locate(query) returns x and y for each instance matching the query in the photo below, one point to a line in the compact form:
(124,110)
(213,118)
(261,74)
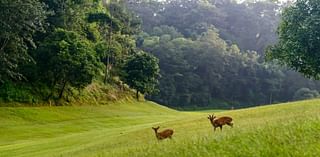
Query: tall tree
(299,38)
(66,59)
(142,73)
(19,20)
(115,27)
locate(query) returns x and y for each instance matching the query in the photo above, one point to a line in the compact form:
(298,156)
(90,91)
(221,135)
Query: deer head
(211,117)
(156,129)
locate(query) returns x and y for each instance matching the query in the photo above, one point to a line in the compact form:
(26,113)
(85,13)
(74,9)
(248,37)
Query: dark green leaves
(64,58)
(19,20)
(142,73)
(104,19)
(299,38)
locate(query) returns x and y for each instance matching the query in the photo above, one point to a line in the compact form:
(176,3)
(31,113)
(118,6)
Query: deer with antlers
(219,122)
(163,134)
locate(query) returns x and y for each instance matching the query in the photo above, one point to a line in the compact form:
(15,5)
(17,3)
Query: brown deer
(163,134)
(219,122)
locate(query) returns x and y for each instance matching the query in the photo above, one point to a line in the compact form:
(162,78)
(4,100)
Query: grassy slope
(124,129)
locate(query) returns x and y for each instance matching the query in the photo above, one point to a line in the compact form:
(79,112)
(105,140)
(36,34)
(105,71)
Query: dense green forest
(205,53)
(55,49)
(211,53)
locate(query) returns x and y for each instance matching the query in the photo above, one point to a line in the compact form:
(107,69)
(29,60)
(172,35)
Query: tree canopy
(59,47)
(211,53)
(299,38)
(141,73)
(65,58)
(19,20)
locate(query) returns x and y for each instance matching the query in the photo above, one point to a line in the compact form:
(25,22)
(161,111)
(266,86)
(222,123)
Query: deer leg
(214,128)
(221,128)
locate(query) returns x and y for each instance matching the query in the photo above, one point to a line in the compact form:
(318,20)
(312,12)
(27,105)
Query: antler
(155,128)
(211,117)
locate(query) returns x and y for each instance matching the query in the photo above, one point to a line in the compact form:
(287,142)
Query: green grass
(124,129)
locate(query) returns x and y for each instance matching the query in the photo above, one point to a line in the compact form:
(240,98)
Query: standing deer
(164,134)
(219,122)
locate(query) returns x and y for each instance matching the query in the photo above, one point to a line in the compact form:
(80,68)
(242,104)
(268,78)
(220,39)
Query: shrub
(305,93)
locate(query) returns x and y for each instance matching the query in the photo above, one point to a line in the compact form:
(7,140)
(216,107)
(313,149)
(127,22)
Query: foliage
(299,40)
(210,52)
(250,24)
(65,59)
(209,72)
(115,29)
(59,47)
(206,57)
(142,73)
(305,93)
(19,22)
(11,92)
(68,14)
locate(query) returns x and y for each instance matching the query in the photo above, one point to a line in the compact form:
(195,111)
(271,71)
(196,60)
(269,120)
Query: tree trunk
(62,90)
(137,95)
(106,75)
(109,49)
(5,42)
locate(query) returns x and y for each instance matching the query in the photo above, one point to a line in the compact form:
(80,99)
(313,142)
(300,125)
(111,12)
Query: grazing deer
(220,121)
(164,134)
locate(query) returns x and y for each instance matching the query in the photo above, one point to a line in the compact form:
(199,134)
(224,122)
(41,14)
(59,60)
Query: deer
(163,134)
(219,122)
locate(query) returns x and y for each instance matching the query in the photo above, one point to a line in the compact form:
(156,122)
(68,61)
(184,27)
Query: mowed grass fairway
(124,130)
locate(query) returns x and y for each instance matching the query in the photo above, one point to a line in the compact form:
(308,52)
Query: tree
(19,20)
(65,59)
(142,73)
(211,53)
(299,38)
(305,93)
(115,28)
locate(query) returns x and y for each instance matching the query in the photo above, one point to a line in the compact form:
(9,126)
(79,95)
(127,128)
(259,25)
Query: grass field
(124,129)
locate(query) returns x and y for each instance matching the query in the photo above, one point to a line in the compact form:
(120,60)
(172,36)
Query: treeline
(211,53)
(53,49)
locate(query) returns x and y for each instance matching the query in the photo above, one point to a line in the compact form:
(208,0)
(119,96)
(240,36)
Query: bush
(305,93)
(10,92)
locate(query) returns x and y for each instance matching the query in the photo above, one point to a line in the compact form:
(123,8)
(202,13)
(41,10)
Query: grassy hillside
(124,129)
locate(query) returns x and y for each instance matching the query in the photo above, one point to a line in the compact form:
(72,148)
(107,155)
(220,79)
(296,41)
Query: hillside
(124,129)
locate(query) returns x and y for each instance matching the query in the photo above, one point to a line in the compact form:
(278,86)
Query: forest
(212,53)
(61,50)
(182,54)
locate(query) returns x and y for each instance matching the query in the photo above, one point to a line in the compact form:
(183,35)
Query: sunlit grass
(124,129)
